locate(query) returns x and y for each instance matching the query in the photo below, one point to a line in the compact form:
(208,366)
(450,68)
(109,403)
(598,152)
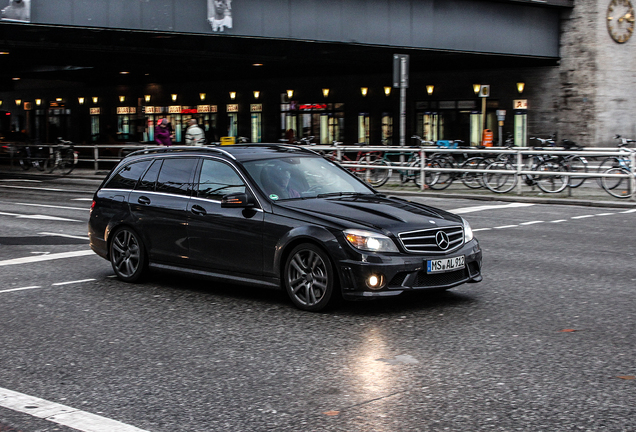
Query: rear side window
(127,177)
(218,179)
(175,176)
(149,179)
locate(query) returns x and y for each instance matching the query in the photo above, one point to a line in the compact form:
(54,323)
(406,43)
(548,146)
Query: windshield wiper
(332,194)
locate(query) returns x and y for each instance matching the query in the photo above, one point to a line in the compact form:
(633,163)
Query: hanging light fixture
(80,100)
(202,96)
(95,99)
(387,90)
(257,94)
(325,92)
(122,98)
(520,87)
(476,88)
(290,94)
(364,90)
(429,89)
(232,95)
(147,98)
(18,102)
(174,97)
(38,102)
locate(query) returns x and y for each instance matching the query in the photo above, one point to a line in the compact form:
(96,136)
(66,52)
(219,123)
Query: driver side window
(218,179)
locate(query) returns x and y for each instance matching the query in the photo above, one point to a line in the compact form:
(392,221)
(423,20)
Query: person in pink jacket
(162,133)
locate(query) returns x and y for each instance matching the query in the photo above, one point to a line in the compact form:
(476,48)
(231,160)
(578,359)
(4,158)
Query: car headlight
(369,241)
(468,231)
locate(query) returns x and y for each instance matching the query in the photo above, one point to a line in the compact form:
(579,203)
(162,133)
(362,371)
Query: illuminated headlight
(468,232)
(369,241)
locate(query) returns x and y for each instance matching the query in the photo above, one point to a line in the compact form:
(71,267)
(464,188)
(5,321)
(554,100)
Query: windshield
(303,177)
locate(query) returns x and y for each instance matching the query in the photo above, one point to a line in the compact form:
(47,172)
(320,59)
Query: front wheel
(377,176)
(67,162)
(617,186)
(127,255)
(552,183)
(309,278)
(502,181)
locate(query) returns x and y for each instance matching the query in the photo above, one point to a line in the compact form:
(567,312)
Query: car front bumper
(400,273)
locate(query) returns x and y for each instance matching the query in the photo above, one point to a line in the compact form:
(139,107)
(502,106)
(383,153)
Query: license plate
(445,264)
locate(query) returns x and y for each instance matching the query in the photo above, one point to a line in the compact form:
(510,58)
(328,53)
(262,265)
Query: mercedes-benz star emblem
(442,240)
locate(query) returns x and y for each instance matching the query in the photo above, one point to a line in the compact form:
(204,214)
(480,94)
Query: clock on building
(620,20)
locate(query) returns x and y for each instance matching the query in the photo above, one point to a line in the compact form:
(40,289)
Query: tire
(127,255)
(378,176)
(309,278)
(24,161)
(470,179)
(576,164)
(607,163)
(618,187)
(443,179)
(500,182)
(552,183)
(67,163)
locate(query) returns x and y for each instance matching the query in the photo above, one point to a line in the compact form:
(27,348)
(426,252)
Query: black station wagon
(276,216)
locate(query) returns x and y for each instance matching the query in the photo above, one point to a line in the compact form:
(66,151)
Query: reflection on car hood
(384,213)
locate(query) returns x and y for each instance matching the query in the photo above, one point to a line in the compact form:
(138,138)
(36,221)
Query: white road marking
(81,199)
(506,226)
(64,235)
(482,229)
(490,207)
(604,214)
(20,289)
(61,414)
(26,260)
(72,282)
(582,217)
(40,217)
(36,188)
(21,180)
(530,223)
(54,206)
(559,221)
(629,211)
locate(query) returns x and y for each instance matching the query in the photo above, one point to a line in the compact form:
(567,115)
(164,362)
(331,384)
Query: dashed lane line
(55,206)
(555,221)
(20,289)
(64,235)
(489,207)
(72,282)
(61,414)
(39,217)
(48,257)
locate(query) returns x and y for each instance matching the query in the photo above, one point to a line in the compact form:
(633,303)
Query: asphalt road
(545,343)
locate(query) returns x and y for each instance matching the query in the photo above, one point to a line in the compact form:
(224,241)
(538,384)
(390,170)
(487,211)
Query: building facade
(106,71)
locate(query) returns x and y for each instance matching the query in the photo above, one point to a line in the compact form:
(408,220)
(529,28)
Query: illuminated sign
(95,111)
(150,110)
(123,110)
(306,107)
(189,111)
(203,108)
(232,108)
(28,106)
(174,109)
(256,107)
(520,104)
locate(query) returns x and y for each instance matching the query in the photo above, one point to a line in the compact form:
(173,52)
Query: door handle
(143,200)
(198,210)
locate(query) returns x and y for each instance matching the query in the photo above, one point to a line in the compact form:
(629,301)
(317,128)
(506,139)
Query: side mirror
(237,200)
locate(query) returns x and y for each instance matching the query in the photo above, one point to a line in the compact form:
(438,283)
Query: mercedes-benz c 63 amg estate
(276,216)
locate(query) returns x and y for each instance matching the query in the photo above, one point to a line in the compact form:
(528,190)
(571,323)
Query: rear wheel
(616,186)
(552,183)
(502,181)
(473,180)
(67,162)
(441,179)
(127,255)
(309,278)
(576,164)
(376,177)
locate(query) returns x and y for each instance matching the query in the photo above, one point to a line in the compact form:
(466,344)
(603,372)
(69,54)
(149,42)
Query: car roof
(239,152)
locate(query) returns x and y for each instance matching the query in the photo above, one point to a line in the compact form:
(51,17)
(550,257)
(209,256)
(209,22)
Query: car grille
(424,241)
(439,279)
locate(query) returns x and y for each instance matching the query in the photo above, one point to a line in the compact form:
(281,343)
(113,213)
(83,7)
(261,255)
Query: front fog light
(375,281)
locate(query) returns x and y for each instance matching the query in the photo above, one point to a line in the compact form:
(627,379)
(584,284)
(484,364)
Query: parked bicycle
(620,187)
(64,158)
(614,161)
(32,156)
(376,177)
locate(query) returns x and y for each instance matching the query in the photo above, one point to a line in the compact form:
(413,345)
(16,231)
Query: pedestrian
(194,134)
(162,133)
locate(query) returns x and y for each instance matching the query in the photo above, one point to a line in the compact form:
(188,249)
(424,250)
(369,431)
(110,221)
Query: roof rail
(182,149)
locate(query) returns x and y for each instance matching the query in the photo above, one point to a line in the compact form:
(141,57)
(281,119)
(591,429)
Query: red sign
(312,106)
(188,111)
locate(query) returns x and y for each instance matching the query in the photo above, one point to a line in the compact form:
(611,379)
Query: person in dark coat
(162,133)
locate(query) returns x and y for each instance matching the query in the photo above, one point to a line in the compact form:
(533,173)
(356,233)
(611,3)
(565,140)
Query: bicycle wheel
(616,186)
(442,179)
(67,162)
(552,183)
(576,164)
(24,160)
(500,182)
(377,177)
(473,180)
(51,162)
(607,163)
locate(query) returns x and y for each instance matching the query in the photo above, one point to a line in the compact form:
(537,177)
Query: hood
(388,214)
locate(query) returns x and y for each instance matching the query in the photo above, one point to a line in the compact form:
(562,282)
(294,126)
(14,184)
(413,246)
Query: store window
(363,128)
(387,129)
(323,121)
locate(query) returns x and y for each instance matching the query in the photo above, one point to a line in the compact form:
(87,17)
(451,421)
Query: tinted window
(175,176)
(149,179)
(127,177)
(218,179)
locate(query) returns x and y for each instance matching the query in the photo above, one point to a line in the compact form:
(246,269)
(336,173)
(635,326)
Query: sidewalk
(589,194)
